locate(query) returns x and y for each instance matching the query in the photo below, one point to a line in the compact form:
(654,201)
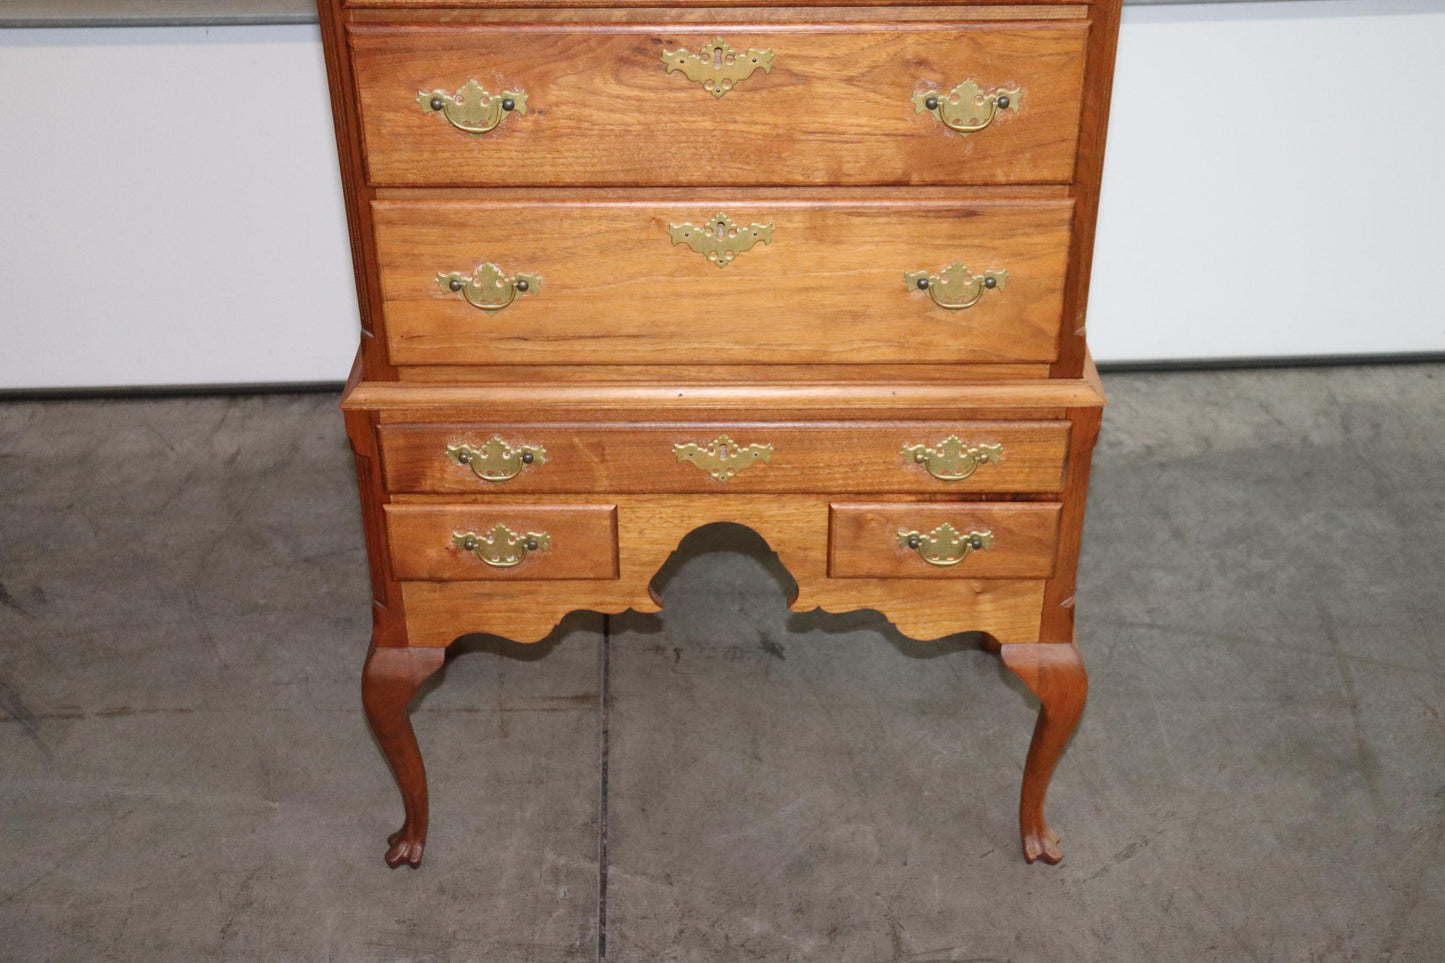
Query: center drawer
(823,280)
(920,456)
(754,104)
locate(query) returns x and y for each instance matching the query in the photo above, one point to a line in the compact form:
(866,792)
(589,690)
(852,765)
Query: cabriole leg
(1054,673)
(389,681)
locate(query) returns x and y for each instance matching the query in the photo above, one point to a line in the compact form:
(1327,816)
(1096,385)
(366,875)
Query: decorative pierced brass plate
(495,460)
(488,288)
(472,109)
(954,287)
(723,458)
(945,545)
(967,108)
(502,547)
(952,460)
(720,239)
(718,67)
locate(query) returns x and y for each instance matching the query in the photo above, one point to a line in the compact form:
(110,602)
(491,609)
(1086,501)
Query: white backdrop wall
(170,210)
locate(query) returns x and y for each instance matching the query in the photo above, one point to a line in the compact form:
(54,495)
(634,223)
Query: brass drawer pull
(954,287)
(495,460)
(488,288)
(718,67)
(720,239)
(952,460)
(723,458)
(501,547)
(967,109)
(472,109)
(945,545)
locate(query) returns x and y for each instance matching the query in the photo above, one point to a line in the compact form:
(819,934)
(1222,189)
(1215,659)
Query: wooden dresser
(629,267)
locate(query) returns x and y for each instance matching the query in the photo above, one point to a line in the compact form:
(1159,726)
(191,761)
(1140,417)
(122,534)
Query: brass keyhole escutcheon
(720,239)
(717,66)
(723,458)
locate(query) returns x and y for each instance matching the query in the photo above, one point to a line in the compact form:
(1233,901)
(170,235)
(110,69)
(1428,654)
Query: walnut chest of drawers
(628,268)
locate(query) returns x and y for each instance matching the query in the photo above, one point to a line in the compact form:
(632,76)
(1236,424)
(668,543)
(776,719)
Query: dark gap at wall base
(335,387)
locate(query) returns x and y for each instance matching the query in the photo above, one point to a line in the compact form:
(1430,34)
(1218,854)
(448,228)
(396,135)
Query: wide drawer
(958,456)
(471,542)
(596,105)
(607,284)
(943,540)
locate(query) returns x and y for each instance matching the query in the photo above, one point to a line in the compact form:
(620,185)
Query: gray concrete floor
(1260,774)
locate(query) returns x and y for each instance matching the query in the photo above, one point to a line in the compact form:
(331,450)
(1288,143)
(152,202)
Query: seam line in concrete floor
(603,705)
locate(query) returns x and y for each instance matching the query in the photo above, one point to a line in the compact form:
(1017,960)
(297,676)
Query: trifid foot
(389,680)
(1055,673)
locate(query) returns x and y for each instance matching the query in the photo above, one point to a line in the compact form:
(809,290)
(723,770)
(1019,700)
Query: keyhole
(717,56)
(722,451)
(722,229)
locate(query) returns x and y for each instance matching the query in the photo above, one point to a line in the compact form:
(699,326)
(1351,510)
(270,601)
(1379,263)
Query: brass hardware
(495,460)
(952,460)
(488,288)
(501,547)
(967,108)
(472,109)
(720,239)
(718,67)
(723,458)
(954,287)
(945,545)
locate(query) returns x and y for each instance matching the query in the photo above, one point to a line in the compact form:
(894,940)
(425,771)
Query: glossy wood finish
(615,289)
(863,540)
(389,681)
(1054,673)
(835,109)
(649,528)
(583,541)
(811,343)
(817,457)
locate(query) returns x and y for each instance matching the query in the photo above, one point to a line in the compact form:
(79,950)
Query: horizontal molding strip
(225,13)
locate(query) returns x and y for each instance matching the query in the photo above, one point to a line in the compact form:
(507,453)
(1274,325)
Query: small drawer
(951,540)
(841,104)
(831,280)
(924,456)
(448,543)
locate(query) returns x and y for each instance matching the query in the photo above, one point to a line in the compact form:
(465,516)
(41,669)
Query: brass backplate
(945,545)
(967,108)
(472,109)
(495,460)
(723,458)
(718,67)
(951,459)
(720,239)
(501,547)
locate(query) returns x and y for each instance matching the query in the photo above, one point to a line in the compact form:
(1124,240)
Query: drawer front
(835,281)
(525,542)
(596,105)
(879,457)
(958,540)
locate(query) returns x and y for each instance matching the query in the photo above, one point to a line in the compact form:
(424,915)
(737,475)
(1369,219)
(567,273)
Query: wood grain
(820,457)
(836,108)
(583,541)
(829,288)
(1054,673)
(863,540)
(649,529)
